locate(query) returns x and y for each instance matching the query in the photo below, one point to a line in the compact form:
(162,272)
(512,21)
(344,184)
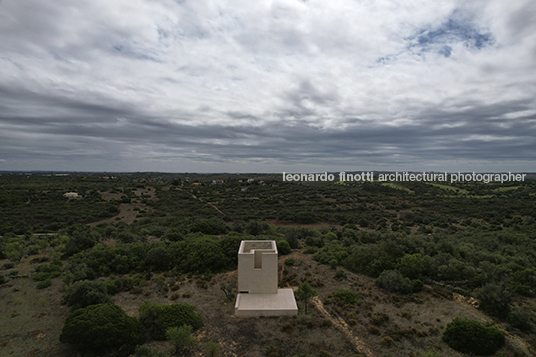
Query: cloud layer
(267,86)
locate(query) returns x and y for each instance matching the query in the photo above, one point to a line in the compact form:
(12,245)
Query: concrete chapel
(258,294)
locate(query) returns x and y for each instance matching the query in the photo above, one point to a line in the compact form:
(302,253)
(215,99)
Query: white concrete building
(258,294)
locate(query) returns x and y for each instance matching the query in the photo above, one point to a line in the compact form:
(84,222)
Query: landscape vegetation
(144,264)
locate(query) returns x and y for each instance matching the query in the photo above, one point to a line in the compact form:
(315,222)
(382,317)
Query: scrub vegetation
(382,269)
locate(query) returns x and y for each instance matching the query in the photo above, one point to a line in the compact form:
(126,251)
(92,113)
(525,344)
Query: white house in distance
(258,294)
(71,194)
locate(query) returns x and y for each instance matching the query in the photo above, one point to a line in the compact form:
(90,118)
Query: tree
(181,338)
(305,292)
(102,329)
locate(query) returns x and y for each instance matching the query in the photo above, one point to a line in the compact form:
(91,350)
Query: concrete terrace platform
(282,303)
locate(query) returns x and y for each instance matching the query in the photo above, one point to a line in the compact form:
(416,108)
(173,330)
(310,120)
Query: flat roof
(248,245)
(283,300)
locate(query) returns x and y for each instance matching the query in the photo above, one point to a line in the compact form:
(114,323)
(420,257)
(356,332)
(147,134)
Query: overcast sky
(267,86)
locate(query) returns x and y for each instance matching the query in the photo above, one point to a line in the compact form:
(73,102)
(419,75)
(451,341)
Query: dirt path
(208,203)
(216,208)
(343,326)
(126,214)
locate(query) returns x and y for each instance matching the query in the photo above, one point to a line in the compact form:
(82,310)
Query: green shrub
(430,353)
(333,263)
(102,329)
(469,336)
(2,279)
(327,323)
(8,265)
(283,248)
(228,290)
(213,349)
(181,338)
(347,296)
(379,319)
(340,274)
(387,341)
(272,351)
(521,320)
(495,299)
(114,286)
(156,318)
(373,330)
(44,284)
(414,266)
(45,276)
(310,250)
(290,261)
(146,351)
(394,282)
(86,292)
(287,327)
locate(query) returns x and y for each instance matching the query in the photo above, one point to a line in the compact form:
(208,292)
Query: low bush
(181,338)
(287,327)
(114,286)
(379,319)
(283,248)
(8,265)
(45,276)
(373,330)
(387,341)
(495,299)
(213,349)
(146,351)
(340,274)
(469,336)
(272,351)
(346,296)
(290,261)
(521,320)
(44,284)
(310,250)
(394,282)
(157,318)
(101,330)
(86,292)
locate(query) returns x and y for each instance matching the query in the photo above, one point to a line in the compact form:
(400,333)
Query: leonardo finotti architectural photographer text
(406,176)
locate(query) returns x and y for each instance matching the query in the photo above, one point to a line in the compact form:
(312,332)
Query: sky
(268,86)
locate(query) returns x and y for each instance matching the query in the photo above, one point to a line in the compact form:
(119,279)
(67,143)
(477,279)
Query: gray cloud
(266,86)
